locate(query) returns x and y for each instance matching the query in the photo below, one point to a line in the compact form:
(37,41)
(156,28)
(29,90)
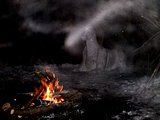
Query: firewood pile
(71,99)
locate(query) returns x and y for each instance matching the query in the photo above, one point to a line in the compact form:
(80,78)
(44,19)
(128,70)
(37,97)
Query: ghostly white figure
(94,55)
(91,49)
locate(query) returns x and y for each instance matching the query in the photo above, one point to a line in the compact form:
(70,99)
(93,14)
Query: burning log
(71,98)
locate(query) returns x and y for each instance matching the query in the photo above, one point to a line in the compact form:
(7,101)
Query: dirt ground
(105,95)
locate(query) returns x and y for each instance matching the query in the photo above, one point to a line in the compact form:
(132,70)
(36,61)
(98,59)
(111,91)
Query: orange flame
(50,91)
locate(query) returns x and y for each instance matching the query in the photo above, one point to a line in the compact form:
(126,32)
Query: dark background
(22,45)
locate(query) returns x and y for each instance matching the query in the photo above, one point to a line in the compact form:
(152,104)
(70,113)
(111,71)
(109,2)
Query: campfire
(48,95)
(50,90)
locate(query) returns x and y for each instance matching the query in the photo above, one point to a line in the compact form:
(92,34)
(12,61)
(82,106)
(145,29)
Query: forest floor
(106,95)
